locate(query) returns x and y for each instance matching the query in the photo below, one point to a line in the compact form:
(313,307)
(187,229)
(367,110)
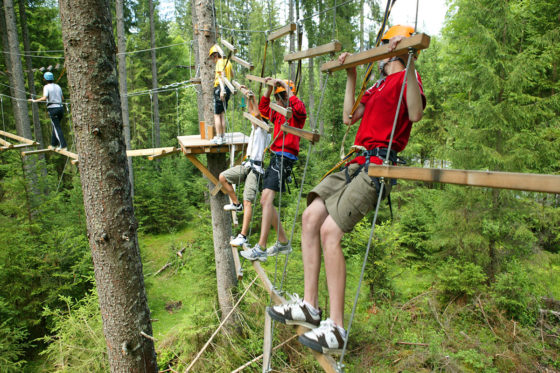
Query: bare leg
(335,268)
(229,189)
(218,124)
(312,219)
(270,218)
(247,213)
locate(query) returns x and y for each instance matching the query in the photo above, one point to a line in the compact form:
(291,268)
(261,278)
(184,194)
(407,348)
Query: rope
(32,56)
(379,197)
(326,10)
(152,117)
(177,109)
(2,105)
(151,49)
(220,326)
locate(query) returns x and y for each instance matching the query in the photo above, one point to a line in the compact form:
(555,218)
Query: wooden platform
(194,144)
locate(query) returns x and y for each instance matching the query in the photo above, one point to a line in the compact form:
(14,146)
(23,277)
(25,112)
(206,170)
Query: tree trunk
(30,78)
(292,38)
(121,40)
(221,220)
(89,48)
(6,47)
(362,25)
(154,76)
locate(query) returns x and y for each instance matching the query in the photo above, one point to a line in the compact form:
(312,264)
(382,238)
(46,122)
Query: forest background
(469,277)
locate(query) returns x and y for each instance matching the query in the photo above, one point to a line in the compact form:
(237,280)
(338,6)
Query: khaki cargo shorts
(348,203)
(239,174)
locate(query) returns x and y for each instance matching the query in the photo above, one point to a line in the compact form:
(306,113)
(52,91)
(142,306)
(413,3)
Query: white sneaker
(295,312)
(254,253)
(279,248)
(238,241)
(221,140)
(233,207)
(326,339)
(215,140)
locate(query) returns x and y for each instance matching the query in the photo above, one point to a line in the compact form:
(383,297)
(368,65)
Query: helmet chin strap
(384,64)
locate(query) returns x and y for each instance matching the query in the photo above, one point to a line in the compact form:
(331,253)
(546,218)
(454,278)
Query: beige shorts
(346,203)
(239,174)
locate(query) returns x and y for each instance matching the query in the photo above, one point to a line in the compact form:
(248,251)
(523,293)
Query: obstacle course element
(418,42)
(282,31)
(490,179)
(257,122)
(332,47)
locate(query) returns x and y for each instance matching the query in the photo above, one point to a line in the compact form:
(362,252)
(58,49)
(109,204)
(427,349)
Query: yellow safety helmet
(282,89)
(215,49)
(405,31)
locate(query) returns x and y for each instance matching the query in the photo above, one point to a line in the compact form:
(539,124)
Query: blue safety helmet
(48,76)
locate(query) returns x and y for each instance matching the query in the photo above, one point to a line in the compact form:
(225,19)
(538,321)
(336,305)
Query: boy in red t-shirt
(284,151)
(342,199)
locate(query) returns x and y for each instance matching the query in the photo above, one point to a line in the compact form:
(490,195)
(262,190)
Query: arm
(414,102)
(268,87)
(349,99)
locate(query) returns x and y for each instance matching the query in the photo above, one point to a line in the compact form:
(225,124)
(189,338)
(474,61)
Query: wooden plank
(246,92)
(19,138)
(418,42)
(286,112)
(152,151)
(490,179)
(64,152)
(30,152)
(332,47)
(282,31)
(311,136)
(195,81)
(237,262)
(164,153)
(228,83)
(242,62)
(6,143)
(229,46)
(216,189)
(267,342)
(325,361)
(75,162)
(17,146)
(259,79)
(257,122)
(204,170)
(276,297)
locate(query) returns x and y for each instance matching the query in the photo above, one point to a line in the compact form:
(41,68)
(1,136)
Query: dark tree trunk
(30,79)
(89,48)
(154,76)
(221,221)
(121,40)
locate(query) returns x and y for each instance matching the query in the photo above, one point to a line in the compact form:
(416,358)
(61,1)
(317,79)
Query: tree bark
(6,47)
(30,78)
(121,40)
(89,48)
(221,220)
(154,76)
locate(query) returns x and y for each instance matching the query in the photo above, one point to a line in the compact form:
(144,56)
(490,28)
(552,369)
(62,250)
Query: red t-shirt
(299,114)
(381,102)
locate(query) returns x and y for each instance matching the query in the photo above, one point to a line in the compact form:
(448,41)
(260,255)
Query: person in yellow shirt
(221,92)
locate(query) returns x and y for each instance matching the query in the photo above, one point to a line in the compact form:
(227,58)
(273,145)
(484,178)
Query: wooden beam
(309,135)
(229,46)
(289,28)
(204,170)
(418,42)
(64,152)
(38,151)
(152,151)
(75,162)
(257,122)
(216,189)
(267,342)
(332,47)
(17,146)
(164,153)
(237,262)
(259,79)
(195,81)
(286,112)
(242,62)
(228,83)
(490,179)
(276,297)
(19,138)
(6,143)
(246,92)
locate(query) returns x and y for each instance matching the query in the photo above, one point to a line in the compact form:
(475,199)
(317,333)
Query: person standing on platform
(52,94)
(221,92)
(284,152)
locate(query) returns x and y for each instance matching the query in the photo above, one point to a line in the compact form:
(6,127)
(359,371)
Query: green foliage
(456,279)
(12,339)
(514,292)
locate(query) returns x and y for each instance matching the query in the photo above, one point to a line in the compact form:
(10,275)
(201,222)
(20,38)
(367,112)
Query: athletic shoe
(221,140)
(326,339)
(295,312)
(215,140)
(254,253)
(234,207)
(238,241)
(279,248)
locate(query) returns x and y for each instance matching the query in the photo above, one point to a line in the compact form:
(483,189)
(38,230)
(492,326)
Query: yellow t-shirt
(221,66)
